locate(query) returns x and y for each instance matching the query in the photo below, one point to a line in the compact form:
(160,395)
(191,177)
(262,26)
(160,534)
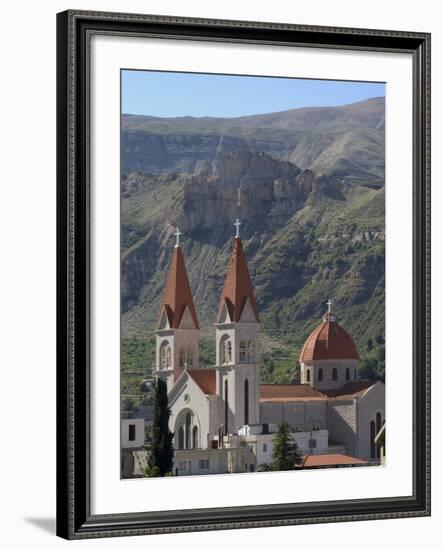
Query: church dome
(328,341)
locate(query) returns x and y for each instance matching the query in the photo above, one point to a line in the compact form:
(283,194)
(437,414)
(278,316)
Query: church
(223,419)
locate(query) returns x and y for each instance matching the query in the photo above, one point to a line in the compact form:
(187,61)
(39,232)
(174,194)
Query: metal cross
(329,304)
(237,224)
(177,235)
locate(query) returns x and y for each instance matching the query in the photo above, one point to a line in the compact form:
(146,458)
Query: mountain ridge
(311,230)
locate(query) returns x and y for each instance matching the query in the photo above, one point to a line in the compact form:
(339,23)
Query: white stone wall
(139,433)
(237,372)
(342,423)
(302,415)
(263,443)
(327,367)
(368,405)
(190,398)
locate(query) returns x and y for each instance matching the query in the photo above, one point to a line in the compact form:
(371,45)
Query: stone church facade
(222,417)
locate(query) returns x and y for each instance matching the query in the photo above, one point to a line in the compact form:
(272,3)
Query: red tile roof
(349,390)
(177,294)
(281,393)
(237,285)
(331,460)
(328,341)
(285,393)
(205,378)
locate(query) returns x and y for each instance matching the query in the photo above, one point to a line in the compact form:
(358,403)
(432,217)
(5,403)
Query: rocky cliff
(308,235)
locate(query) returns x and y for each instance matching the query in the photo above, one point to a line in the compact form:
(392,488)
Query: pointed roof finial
(177,235)
(237,224)
(329,304)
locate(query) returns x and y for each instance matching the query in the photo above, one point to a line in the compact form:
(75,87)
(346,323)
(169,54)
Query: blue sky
(168,94)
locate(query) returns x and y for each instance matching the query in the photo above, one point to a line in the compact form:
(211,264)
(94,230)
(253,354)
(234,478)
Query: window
(226,407)
(372,436)
(378,427)
(188,423)
(225,350)
(186,357)
(246,351)
(182,465)
(264,447)
(131,432)
(249,353)
(308,375)
(320,375)
(229,351)
(195,437)
(347,373)
(165,355)
(355,376)
(335,374)
(180,438)
(203,464)
(246,401)
(242,351)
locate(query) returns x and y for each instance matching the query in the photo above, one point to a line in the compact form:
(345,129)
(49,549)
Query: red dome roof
(329,341)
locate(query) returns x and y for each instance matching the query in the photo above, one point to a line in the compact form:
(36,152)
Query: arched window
(189,357)
(347,373)
(188,423)
(226,407)
(228,351)
(335,374)
(165,355)
(378,427)
(249,352)
(195,437)
(242,351)
(246,401)
(182,359)
(308,375)
(320,375)
(372,436)
(225,350)
(181,438)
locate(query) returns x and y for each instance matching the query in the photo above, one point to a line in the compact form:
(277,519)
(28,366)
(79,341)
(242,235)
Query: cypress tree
(160,460)
(285,450)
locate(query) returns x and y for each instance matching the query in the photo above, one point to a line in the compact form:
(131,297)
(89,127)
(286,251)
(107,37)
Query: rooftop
(285,393)
(328,341)
(332,460)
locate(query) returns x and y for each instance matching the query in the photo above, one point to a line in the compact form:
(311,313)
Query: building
(132,441)
(222,417)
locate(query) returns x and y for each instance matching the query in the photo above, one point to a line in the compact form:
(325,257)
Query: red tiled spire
(237,285)
(177,294)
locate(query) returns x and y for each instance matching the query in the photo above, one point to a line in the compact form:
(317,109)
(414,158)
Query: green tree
(285,450)
(160,462)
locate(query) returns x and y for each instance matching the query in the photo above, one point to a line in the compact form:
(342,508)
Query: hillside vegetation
(308,186)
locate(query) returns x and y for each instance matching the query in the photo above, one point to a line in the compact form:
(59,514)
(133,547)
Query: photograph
(252,269)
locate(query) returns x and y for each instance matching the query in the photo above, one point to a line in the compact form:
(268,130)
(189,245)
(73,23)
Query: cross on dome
(237,224)
(177,235)
(329,316)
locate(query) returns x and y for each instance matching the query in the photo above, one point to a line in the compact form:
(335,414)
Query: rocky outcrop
(346,142)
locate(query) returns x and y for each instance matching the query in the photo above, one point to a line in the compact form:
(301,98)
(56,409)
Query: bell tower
(237,344)
(177,330)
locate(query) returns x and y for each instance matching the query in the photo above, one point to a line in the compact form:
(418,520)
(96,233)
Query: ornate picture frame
(75,517)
